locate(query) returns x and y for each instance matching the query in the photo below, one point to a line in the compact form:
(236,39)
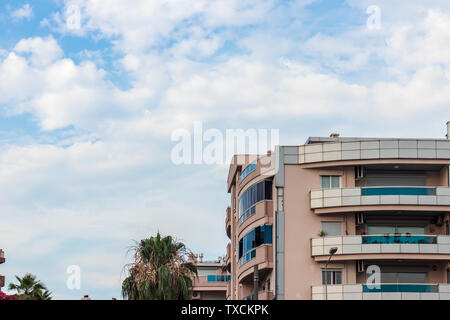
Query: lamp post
(332,252)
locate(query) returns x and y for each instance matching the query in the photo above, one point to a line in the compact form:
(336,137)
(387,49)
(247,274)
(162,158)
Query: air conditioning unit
(359,266)
(359,218)
(359,172)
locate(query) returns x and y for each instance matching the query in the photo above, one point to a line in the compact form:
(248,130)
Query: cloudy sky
(88,107)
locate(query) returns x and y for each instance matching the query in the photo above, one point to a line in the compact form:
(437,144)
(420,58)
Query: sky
(92,91)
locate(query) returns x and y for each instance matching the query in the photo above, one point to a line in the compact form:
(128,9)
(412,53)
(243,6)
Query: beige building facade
(382,205)
(211,282)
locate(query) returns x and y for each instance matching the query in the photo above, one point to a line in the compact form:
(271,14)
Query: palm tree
(30,289)
(160,271)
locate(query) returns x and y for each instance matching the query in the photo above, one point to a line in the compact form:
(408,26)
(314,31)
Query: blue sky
(87,114)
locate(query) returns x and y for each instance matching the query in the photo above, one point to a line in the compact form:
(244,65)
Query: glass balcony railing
(249,169)
(248,256)
(216,278)
(401,287)
(398,191)
(403,239)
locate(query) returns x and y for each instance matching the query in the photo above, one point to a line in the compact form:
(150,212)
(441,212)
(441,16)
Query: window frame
(333,278)
(330,181)
(333,222)
(250,195)
(247,247)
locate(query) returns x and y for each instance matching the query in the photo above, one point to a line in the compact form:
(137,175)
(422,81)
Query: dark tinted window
(256,193)
(255,238)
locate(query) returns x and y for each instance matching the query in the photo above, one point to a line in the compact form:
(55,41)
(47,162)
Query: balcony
(262,256)
(218,278)
(371,150)
(263,215)
(400,291)
(2,256)
(210,283)
(437,246)
(380,196)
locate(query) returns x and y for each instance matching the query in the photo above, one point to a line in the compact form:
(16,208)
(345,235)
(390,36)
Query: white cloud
(26,12)
(138,25)
(59,92)
(43,51)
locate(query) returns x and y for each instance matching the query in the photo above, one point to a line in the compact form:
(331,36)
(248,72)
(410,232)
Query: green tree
(160,271)
(29,288)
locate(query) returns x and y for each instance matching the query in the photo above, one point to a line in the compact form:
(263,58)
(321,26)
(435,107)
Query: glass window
(249,169)
(412,230)
(255,238)
(403,277)
(412,277)
(394,228)
(332,228)
(331,276)
(403,274)
(380,229)
(327,182)
(256,193)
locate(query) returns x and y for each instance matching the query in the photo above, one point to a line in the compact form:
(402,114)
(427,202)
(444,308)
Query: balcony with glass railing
(261,256)
(378,244)
(382,291)
(399,238)
(374,196)
(218,278)
(401,287)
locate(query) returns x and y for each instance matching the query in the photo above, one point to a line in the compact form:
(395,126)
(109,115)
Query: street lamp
(332,252)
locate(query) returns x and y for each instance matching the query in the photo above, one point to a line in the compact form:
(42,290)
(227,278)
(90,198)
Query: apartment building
(341,218)
(2,260)
(212,280)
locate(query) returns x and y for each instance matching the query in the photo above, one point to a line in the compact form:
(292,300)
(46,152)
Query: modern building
(376,209)
(2,260)
(212,280)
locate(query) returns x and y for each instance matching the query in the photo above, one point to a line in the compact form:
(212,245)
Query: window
(256,193)
(332,276)
(332,228)
(392,227)
(249,169)
(329,182)
(255,238)
(202,271)
(403,274)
